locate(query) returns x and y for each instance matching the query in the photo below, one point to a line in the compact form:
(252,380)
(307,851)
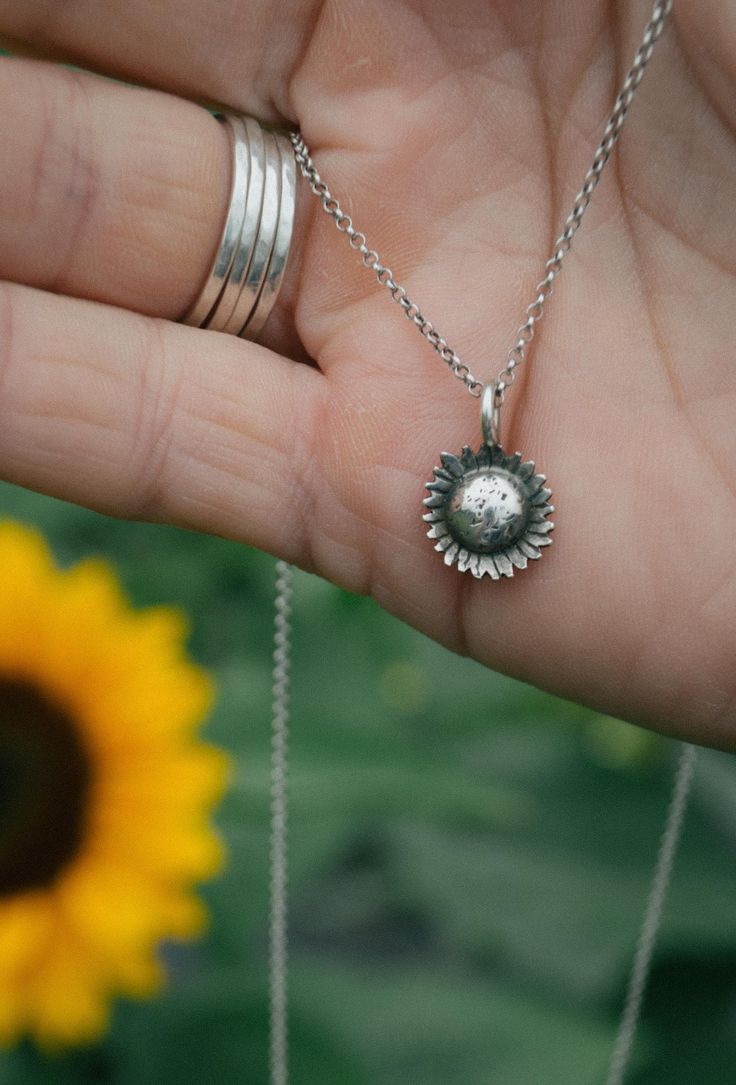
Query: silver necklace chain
(278,926)
(384,275)
(651,923)
(563,244)
(278,919)
(535,310)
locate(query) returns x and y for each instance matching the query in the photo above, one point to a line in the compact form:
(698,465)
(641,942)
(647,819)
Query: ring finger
(116,193)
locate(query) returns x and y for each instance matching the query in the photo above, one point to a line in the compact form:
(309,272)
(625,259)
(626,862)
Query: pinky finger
(143,419)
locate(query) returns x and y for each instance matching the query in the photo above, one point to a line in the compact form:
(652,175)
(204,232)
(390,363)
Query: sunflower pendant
(488,511)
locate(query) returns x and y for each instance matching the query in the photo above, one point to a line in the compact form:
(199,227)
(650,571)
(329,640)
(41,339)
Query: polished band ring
(244,278)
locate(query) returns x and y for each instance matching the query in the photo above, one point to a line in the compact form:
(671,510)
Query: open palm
(456,136)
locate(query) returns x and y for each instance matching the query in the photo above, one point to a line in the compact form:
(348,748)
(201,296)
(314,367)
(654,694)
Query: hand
(457,138)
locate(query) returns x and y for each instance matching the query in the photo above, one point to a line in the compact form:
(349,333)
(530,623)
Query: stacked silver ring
(248,267)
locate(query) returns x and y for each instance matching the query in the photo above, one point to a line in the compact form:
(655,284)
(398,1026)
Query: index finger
(233,54)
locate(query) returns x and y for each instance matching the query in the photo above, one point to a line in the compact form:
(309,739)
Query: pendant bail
(490,414)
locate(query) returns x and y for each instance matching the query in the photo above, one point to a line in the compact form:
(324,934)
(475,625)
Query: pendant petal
(503,563)
(539,512)
(489,567)
(531,551)
(444,543)
(463,560)
(516,556)
(468,459)
(537,540)
(451,463)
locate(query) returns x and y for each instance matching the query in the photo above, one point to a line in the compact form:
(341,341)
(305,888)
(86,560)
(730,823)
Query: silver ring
(246,273)
(252,135)
(245,306)
(282,241)
(221,265)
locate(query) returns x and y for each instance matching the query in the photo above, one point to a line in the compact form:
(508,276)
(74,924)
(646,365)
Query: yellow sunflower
(105,793)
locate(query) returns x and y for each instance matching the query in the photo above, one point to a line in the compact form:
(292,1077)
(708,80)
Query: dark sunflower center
(45,776)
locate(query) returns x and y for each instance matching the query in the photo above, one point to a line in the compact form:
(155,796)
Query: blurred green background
(469,864)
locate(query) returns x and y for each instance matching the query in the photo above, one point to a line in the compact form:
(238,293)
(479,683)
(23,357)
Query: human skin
(456,136)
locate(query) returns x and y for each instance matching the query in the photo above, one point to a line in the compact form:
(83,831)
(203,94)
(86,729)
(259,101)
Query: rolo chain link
(535,310)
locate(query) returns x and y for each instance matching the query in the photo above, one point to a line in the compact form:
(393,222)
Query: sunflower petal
(160,779)
(113,910)
(184,915)
(66,997)
(25,925)
(13,1016)
(163,851)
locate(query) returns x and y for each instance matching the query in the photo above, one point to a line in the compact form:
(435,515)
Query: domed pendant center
(487,510)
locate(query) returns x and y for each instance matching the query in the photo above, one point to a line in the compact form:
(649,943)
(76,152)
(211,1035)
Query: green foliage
(470,859)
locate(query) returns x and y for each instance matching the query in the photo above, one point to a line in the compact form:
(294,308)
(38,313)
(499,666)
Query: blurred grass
(469,860)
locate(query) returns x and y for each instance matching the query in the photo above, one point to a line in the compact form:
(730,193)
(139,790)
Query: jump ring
(490,414)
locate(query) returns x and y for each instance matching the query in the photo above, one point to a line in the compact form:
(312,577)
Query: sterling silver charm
(488,510)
